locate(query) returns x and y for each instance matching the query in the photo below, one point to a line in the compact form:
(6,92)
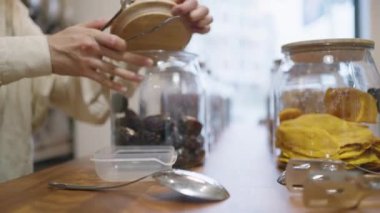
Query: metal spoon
(188,183)
(123,5)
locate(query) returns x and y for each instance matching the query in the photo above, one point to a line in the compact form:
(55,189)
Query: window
(247,36)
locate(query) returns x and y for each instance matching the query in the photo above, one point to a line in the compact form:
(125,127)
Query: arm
(23,57)
(66,53)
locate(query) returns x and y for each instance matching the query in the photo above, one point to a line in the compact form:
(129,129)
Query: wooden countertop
(241,161)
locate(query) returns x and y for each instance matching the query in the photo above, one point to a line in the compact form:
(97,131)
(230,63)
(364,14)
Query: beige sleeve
(78,98)
(23,57)
(29,56)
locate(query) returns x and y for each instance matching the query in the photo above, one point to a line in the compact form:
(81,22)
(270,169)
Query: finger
(96,24)
(204,22)
(90,47)
(105,81)
(131,58)
(127,75)
(138,60)
(185,7)
(198,14)
(107,67)
(110,41)
(202,30)
(99,64)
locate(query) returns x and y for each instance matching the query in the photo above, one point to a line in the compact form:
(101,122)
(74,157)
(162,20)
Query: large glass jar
(327,102)
(170,108)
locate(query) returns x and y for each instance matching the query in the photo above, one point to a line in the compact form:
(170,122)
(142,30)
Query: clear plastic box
(127,163)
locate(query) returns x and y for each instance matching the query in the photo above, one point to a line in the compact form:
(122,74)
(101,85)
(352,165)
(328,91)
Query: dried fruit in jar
(323,135)
(126,136)
(290,113)
(351,104)
(189,126)
(375,92)
(307,100)
(160,124)
(130,120)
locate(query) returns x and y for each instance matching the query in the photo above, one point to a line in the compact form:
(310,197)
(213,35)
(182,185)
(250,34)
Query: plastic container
(170,108)
(128,163)
(327,95)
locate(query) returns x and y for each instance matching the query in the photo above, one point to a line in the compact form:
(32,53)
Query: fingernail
(123,89)
(176,11)
(149,62)
(101,20)
(139,77)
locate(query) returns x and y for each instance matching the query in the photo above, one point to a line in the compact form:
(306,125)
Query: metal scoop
(123,5)
(188,183)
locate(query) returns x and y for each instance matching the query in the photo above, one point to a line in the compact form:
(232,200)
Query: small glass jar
(170,108)
(327,96)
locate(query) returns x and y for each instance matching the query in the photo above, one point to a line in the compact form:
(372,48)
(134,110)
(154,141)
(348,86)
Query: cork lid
(328,44)
(143,15)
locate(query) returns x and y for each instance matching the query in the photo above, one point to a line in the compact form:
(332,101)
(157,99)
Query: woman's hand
(78,51)
(198,15)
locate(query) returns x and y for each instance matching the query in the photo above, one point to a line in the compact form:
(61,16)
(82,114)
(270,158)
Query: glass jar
(327,102)
(170,108)
(270,107)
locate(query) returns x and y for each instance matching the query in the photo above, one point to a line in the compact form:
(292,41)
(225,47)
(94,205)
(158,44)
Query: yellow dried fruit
(289,113)
(323,136)
(351,104)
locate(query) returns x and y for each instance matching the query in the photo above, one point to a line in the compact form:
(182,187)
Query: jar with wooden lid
(169,108)
(327,96)
(145,25)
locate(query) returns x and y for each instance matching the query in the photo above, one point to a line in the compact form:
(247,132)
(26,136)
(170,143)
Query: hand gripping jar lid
(143,15)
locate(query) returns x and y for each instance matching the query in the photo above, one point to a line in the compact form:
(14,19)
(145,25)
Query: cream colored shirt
(28,88)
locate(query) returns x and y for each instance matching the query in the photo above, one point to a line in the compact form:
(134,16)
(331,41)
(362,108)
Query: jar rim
(328,44)
(165,51)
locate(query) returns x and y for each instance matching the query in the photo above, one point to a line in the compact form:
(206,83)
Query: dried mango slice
(323,135)
(314,143)
(351,151)
(365,158)
(351,104)
(289,113)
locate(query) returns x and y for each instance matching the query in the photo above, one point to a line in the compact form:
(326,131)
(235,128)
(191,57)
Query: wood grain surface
(241,161)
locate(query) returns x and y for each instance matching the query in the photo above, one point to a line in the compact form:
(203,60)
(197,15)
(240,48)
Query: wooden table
(241,161)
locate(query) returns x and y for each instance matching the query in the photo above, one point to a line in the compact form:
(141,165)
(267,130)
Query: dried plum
(149,138)
(192,142)
(126,136)
(184,134)
(130,120)
(163,125)
(189,126)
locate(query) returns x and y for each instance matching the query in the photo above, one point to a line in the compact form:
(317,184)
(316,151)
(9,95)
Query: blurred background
(238,54)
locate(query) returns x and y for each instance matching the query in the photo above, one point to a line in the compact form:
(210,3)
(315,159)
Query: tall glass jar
(327,102)
(170,108)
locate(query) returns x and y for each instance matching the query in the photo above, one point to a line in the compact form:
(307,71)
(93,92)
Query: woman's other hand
(79,51)
(198,15)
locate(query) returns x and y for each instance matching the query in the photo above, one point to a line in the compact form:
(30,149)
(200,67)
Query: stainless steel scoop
(123,5)
(188,183)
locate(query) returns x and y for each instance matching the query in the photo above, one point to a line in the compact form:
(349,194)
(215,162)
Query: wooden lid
(143,15)
(327,44)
